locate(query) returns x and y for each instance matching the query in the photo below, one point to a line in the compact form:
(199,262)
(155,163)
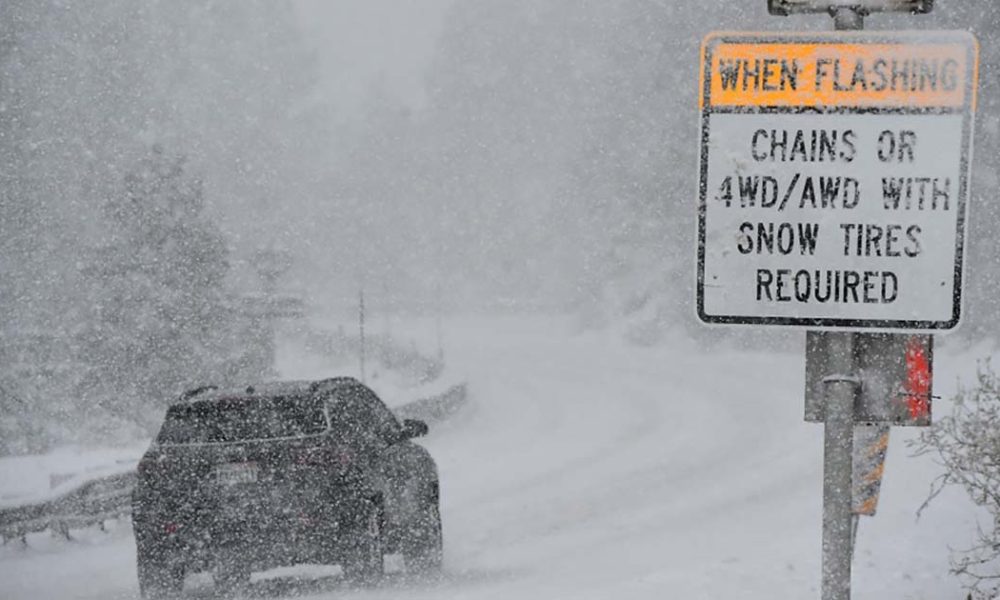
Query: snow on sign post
(834,178)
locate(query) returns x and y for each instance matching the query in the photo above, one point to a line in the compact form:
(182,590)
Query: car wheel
(365,564)
(423,548)
(158,578)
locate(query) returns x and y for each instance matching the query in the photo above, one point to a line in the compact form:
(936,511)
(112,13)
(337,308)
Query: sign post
(833,193)
(361,331)
(838,449)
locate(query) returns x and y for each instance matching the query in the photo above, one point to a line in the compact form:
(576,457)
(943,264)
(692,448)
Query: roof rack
(330,382)
(198,390)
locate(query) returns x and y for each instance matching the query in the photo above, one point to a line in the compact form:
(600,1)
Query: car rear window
(242,419)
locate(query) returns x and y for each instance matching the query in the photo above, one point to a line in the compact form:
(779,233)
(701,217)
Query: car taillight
(343,458)
(310,456)
(314,457)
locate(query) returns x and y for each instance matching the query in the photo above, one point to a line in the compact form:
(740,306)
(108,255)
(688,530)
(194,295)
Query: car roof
(211,393)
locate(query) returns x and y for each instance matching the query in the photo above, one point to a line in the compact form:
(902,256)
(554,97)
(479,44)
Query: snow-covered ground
(588,469)
(31,479)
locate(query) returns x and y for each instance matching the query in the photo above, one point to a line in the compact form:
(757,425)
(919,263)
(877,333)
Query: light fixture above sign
(792,7)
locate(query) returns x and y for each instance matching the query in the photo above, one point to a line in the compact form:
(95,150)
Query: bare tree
(967,443)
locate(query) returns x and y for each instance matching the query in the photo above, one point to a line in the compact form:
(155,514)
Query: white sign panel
(834,179)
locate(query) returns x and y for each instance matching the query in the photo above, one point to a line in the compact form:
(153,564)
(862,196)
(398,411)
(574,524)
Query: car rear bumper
(261,541)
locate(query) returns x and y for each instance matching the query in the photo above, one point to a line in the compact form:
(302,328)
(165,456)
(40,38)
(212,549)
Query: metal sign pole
(840,388)
(361,329)
(838,449)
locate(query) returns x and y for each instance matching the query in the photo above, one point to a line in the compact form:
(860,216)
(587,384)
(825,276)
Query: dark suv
(280,474)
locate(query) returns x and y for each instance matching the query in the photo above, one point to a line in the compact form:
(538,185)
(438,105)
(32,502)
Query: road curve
(584,468)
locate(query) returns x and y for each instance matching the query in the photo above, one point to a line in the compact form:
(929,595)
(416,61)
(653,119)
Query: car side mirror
(412,428)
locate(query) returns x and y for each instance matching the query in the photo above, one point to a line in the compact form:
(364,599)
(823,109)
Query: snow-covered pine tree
(161,320)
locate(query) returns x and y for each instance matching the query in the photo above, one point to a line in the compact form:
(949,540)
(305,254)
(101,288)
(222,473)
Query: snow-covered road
(588,469)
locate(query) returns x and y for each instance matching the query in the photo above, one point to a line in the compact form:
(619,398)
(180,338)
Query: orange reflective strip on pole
(871,445)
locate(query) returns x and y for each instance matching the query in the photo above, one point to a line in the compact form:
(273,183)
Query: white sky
(360,42)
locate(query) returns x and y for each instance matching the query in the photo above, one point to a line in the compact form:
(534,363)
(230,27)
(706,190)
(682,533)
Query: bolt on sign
(834,178)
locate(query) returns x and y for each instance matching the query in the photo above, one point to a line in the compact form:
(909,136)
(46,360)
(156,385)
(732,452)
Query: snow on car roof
(269,388)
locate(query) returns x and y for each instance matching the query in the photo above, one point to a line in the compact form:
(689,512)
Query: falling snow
(487,211)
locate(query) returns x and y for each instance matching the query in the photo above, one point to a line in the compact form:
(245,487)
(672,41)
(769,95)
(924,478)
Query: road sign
(834,178)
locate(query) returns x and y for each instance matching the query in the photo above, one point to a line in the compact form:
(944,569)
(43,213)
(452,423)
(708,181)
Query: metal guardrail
(382,349)
(435,409)
(100,499)
(90,503)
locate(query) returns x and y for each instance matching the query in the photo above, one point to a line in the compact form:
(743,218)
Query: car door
(358,413)
(394,457)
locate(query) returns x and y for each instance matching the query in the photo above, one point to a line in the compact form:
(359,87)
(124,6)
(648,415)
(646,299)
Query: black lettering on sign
(816,192)
(781,295)
(777,238)
(789,74)
(848,229)
(881,74)
(744,240)
(753,190)
(822,72)
(889,283)
(808,194)
(891,239)
(802,287)
(858,79)
(851,281)
(916,193)
(749,186)
(762,74)
(803,145)
(729,73)
(907,145)
(826,192)
(725,194)
(850,150)
(821,286)
(896,147)
(873,240)
(758,155)
(914,248)
(886,146)
(870,239)
(764,280)
(868,281)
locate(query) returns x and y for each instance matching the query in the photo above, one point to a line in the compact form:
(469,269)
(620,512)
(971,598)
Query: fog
(201,192)
(444,157)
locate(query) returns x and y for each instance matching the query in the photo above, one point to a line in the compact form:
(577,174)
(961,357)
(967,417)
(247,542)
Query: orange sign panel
(815,73)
